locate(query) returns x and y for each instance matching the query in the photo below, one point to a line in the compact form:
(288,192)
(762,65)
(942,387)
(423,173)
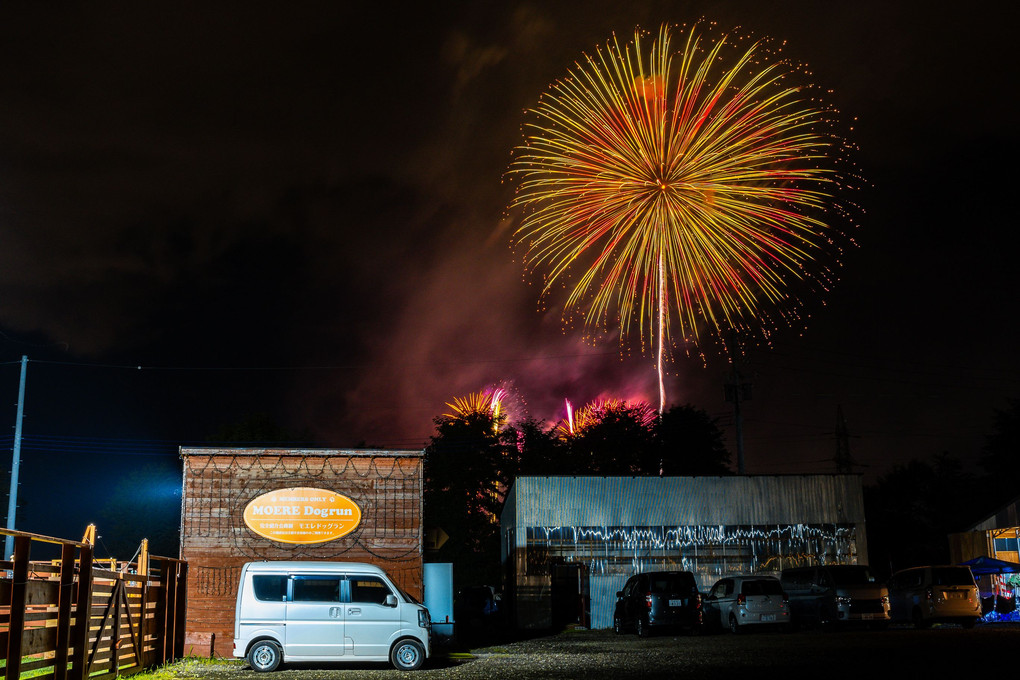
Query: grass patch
(183,668)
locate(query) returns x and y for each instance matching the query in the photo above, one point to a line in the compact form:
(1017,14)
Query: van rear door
(315,617)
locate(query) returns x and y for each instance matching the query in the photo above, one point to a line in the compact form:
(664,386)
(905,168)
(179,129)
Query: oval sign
(302,515)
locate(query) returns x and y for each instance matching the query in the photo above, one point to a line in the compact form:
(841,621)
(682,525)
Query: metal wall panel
(686,501)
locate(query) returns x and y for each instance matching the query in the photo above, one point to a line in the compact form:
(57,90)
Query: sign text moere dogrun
(302,515)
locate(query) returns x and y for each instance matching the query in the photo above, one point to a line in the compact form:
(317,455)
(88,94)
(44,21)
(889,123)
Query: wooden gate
(71,619)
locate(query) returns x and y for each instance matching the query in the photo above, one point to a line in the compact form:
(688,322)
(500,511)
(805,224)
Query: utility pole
(12,504)
(844,461)
(736,391)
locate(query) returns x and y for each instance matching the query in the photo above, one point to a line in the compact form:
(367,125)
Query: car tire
(642,628)
(407,655)
(734,626)
(617,625)
(264,656)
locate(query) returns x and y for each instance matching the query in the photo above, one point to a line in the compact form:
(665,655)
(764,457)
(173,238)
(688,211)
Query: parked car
(327,611)
(836,594)
(658,599)
(939,594)
(737,602)
(478,613)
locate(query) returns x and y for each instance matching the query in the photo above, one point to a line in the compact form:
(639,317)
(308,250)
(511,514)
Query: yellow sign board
(302,515)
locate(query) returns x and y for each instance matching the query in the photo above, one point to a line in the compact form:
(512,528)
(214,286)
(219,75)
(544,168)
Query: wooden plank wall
(69,620)
(215,542)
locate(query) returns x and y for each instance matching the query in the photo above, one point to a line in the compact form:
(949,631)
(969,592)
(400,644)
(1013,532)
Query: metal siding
(685,501)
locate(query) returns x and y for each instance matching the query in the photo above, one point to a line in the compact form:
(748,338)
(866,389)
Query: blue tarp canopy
(989,565)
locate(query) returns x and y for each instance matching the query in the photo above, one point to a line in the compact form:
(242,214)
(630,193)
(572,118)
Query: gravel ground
(942,652)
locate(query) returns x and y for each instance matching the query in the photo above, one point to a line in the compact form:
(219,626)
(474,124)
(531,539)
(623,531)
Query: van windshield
(850,575)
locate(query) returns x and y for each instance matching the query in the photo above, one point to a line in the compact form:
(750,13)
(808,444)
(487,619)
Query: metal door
(315,617)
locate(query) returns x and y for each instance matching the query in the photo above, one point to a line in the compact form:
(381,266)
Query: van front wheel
(407,655)
(265,656)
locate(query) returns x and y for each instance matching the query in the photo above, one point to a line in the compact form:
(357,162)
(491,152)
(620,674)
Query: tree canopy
(475,455)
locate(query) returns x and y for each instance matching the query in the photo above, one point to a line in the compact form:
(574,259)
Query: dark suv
(658,599)
(836,594)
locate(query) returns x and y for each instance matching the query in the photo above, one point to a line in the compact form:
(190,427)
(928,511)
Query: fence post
(181,609)
(64,601)
(19,587)
(83,616)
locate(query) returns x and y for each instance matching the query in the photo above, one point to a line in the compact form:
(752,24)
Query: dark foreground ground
(988,651)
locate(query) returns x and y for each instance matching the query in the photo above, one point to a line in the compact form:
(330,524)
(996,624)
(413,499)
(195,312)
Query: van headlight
(843,600)
(424,620)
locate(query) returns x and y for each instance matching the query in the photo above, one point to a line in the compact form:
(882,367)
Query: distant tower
(737,391)
(844,461)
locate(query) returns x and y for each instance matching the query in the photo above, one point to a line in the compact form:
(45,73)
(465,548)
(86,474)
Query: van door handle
(334,612)
(355,611)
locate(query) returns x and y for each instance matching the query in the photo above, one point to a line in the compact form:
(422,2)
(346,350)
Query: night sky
(298,209)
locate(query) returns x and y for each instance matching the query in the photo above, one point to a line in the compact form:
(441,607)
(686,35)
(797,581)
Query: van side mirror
(390,601)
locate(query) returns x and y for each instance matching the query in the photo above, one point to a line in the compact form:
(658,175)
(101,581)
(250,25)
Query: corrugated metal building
(569,543)
(220,484)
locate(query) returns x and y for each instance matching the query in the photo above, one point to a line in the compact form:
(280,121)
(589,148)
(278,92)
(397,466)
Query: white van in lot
(327,611)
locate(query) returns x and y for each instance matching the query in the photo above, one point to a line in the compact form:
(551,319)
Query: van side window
(270,587)
(368,589)
(316,589)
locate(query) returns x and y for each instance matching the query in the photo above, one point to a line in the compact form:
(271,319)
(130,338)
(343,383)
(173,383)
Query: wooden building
(244,505)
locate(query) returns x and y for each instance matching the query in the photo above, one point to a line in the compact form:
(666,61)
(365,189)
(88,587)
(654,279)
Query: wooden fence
(133,613)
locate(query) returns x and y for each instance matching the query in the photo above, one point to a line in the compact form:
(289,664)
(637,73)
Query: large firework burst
(680,191)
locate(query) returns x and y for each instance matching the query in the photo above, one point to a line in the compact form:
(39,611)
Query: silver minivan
(327,611)
(742,603)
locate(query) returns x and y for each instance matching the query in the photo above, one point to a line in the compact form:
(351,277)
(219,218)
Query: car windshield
(671,583)
(851,575)
(952,576)
(762,587)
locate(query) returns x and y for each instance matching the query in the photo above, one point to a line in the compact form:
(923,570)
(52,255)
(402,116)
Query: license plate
(768,618)
(867,616)
(955,596)
(676,603)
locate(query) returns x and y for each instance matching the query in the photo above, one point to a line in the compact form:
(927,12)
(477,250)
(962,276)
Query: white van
(327,611)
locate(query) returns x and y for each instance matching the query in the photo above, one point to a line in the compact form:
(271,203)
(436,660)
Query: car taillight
(741,599)
(786,598)
(648,600)
(697,600)
(930,595)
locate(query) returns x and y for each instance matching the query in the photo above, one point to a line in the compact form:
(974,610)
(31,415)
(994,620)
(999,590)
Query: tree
(619,440)
(468,467)
(539,451)
(912,509)
(691,443)
(1000,456)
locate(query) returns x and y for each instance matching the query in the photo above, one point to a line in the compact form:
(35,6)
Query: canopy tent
(989,565)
